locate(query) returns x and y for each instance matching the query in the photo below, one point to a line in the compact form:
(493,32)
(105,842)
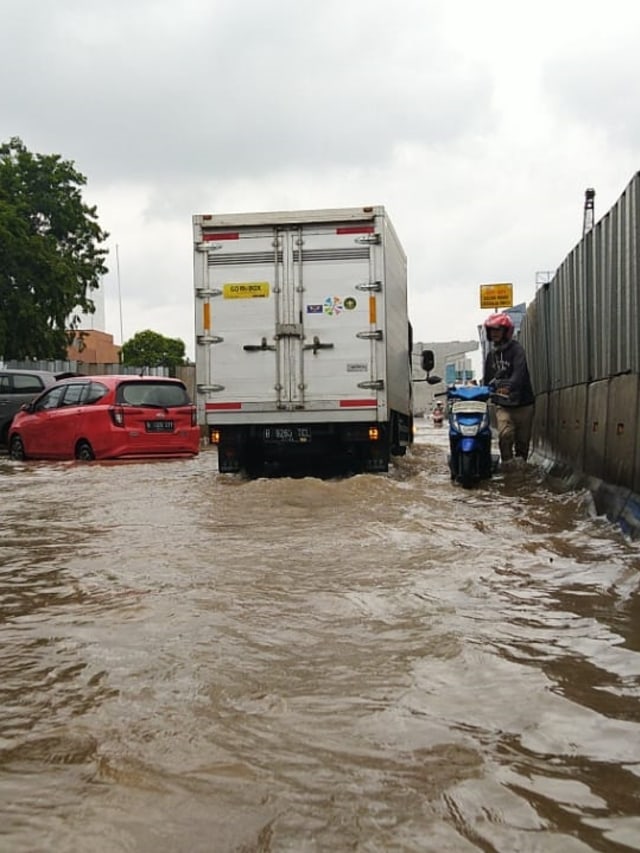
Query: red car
(107,417)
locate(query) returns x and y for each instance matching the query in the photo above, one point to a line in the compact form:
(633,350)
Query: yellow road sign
(496,295)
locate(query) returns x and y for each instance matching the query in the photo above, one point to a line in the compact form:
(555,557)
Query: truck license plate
(288,435)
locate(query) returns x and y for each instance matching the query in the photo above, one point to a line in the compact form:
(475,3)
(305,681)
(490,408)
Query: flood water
(193,662)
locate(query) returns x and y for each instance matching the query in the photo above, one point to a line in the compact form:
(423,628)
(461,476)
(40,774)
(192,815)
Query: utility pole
(544,277)
(119,294)
(587,222)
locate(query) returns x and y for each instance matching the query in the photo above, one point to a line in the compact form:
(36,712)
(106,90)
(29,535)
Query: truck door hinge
(370,286)
(209,339)
(263,346)
(376,335)
(288,330)
(204,292)
(316,345)
(374,385)
(371,239)
(209,389)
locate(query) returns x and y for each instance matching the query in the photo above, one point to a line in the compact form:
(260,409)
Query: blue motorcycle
(470,459)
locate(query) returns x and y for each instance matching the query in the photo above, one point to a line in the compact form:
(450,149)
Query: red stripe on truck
(216,407)
(357,404)
(227,235)
(355,229)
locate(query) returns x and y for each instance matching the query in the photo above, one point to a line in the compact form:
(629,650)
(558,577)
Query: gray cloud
(219,88)
(478,126)
(596,85)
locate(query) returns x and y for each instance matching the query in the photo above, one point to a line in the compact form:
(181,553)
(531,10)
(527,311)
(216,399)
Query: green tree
(50,255)
(151,349)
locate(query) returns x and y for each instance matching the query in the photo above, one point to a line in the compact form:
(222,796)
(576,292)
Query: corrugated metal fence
(582,337)
(84,368)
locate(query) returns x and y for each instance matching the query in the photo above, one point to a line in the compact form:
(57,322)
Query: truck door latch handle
(261,347)
(316,345)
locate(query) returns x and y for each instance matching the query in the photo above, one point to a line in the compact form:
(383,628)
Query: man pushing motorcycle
(507,373)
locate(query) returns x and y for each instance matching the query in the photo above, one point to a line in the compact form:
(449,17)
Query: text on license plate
(159,426)
(288,434)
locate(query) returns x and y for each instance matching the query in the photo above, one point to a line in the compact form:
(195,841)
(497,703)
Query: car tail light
(117,415)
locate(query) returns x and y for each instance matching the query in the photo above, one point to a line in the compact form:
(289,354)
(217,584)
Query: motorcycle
(470,459)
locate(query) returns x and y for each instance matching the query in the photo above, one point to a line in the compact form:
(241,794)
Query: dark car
(18,387)
(107,417)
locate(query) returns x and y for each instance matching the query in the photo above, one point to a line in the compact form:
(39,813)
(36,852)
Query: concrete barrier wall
(593,429)
(596,429)
(570,428)
(582,338)
(591,435)
(539,441)
(620,463)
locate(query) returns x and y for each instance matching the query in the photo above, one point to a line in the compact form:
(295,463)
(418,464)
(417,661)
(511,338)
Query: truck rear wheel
(400,433)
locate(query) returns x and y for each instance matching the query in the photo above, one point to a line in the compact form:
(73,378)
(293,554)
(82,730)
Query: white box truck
(303,343)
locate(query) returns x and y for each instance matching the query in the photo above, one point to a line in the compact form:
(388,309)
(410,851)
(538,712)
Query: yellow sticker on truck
(245,290)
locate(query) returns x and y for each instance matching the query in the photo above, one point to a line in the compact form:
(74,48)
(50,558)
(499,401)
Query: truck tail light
(374,433)
(214,436)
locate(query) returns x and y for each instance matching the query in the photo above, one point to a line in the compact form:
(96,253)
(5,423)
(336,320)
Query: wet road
(191,662)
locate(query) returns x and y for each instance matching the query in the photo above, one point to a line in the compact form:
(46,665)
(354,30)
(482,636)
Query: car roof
(116,378)
(19,371)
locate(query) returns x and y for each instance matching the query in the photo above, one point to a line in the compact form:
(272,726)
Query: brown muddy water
(193,662)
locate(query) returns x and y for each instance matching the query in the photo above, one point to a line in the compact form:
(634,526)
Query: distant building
(93,347)
(451,364)
(97,319)
(91,344)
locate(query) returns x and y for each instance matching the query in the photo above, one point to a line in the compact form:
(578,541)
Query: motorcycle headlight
(469,429)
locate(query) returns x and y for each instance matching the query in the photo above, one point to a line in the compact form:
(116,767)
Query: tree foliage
(50,254)
(151,349)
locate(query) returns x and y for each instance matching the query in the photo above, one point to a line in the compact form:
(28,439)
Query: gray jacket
(505,369)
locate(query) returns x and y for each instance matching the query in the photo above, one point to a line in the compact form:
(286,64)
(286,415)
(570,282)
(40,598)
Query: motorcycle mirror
(433,380)
(427,360)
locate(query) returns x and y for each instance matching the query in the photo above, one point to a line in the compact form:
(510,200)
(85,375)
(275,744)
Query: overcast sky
(478,124)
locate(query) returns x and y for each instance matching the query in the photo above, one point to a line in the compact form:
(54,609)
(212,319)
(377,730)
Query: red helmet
(500,321)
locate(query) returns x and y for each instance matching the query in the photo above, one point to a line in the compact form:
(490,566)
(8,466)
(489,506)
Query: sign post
(496,295)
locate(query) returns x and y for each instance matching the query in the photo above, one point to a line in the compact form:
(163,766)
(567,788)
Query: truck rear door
(290,316)
(335,276)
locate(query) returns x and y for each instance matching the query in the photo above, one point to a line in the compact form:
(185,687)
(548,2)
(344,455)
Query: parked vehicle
(470,458)
(18,387)
(303,355)
(107,417)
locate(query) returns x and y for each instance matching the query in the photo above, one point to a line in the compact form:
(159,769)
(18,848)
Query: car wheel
(84,452)
(16,449)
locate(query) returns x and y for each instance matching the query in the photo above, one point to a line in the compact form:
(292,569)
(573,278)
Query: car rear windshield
(163,394)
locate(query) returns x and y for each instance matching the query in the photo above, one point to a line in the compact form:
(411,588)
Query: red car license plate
(159,426)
